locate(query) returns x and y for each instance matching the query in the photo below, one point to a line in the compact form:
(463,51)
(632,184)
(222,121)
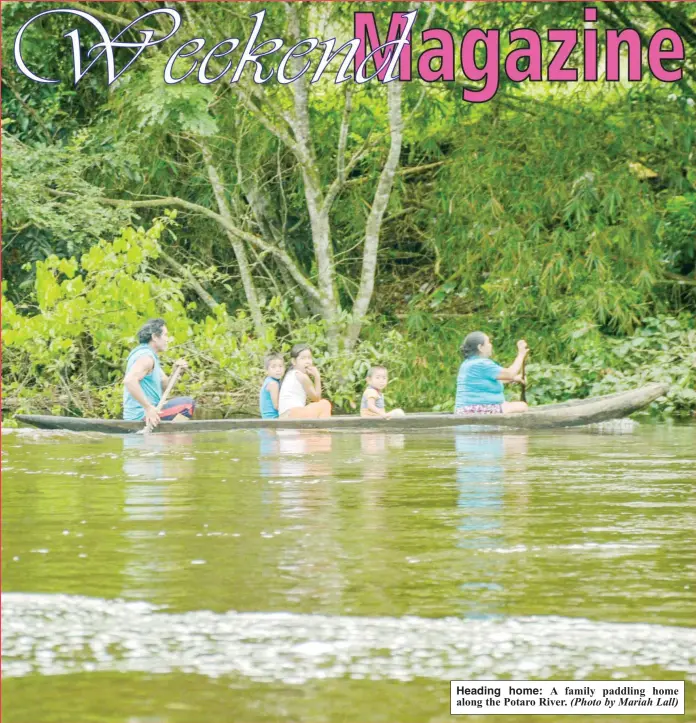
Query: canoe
(565,414)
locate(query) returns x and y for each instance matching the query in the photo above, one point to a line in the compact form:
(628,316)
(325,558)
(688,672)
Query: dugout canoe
(564,414)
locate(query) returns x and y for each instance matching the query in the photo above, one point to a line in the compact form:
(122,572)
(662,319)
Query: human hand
(519,379)
(522,347)
(181,363)
(312,370)
(152,417)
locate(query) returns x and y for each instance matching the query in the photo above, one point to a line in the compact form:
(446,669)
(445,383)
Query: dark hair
(470,345)
(297,350)
(271,357)
(375,368)
(153,327)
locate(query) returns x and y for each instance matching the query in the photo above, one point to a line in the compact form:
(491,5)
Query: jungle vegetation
(380,223)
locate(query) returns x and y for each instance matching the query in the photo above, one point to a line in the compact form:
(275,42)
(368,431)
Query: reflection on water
(482,463)
(149,469)
(259,557)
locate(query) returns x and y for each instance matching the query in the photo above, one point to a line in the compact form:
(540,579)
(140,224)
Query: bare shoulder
(273,385)
(144,362)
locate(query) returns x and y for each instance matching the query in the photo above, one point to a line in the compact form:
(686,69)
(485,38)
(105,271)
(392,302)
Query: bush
(662,350)
(64,350)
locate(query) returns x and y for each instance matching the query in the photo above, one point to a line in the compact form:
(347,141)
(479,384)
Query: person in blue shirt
(145,380)
(480,379)
(270,389)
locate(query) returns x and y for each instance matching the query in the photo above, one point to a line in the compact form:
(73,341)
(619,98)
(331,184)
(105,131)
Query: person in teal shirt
(480,379)
(145,380)
(270,389)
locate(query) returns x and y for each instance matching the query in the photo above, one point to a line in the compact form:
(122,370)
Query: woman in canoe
(480,379)
(301,382)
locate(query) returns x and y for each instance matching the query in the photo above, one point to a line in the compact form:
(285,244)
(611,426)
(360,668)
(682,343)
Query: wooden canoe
(565,414)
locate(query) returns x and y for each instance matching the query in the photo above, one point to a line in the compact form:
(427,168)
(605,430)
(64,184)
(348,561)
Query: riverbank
(68,376)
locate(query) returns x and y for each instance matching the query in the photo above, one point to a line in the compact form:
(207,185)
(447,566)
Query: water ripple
(61,634)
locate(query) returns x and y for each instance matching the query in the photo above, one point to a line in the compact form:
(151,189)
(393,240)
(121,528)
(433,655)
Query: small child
(270,389)
(372,404)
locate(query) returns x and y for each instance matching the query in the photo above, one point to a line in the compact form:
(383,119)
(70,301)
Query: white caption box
(567,697)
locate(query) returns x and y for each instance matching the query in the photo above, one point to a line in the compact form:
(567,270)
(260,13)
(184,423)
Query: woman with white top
(301,382)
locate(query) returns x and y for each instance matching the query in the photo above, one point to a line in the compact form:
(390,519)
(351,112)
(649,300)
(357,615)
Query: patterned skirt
(478,409)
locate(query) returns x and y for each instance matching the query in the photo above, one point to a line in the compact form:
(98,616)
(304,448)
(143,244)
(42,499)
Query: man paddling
(145,380)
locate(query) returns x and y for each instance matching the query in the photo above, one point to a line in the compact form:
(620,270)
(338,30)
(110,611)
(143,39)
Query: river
(339,576)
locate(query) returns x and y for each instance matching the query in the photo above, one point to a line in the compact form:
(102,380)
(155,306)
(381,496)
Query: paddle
(163,400)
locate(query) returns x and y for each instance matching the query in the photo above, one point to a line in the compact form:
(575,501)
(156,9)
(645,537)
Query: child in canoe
(270,389)
(372,404)
(302,382)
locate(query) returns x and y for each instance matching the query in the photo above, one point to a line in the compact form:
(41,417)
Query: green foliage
(65,347)
(565,214)
(662,350)
(65,344)
(551,227)
(678,232)
(49,204)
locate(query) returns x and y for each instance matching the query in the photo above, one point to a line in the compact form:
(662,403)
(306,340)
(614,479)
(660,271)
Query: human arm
(512,373)
(311,386)
(372,397)
(274,391)
(372,406)
(140,369)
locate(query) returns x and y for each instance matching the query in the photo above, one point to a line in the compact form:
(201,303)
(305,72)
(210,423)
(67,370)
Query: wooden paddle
(176,373)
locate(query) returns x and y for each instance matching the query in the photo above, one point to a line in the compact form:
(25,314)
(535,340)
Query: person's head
(301,356)
(275,366)
(476,344)
(378,377)
(154,332)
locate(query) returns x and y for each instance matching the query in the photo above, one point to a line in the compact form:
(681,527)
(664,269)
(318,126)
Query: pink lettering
(365,30)
(490,72)
(445,54)
(656,55)
(614,41)
(532,53)
(568,40)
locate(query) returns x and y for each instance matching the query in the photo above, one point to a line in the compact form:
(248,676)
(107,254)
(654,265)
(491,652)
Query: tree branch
(374,220)
(343,135)
(9,82)
(301,123)
(340,181)
(679,279)
(124,22)
(676,19)
(237,246)
(176,202)
(268,123)
(190,279)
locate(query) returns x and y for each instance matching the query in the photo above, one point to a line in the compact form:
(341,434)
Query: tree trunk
(237,245)
(321,240)
(318,215)
(374,221)
(269,229)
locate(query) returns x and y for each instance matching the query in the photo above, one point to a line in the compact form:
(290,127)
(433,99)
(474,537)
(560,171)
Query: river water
(339,576)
